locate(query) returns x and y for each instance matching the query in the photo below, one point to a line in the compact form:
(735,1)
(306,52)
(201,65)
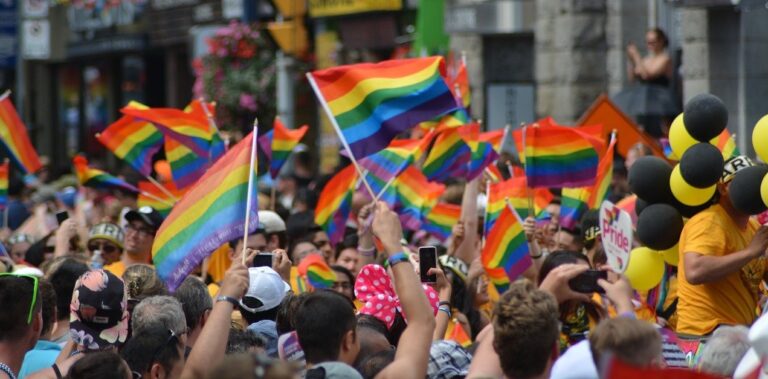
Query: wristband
(445,309)
(446,303)
(396,258)
(366,252)
(228,299)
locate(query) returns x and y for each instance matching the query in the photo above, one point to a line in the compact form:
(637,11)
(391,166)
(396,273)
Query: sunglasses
(35,286)
(103,247)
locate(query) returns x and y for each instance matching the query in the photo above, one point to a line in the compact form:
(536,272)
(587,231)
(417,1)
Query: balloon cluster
(666,194)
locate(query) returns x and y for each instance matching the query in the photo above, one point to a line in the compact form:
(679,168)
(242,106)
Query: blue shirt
(43,355)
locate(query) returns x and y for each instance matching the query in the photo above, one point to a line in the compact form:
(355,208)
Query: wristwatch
(228,299)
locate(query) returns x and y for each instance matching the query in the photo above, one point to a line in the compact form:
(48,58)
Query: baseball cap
(107,231)
(266,289)
(271,222)
(456,265)
(147,215)
(98,316)
(734,165)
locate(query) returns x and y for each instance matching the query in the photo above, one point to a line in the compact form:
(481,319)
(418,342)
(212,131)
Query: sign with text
(325,8)
(616,232)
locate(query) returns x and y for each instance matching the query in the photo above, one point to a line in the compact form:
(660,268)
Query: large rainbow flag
(514,190)
(374,102)
(557,156)
(278,143)
(150,195)
(4,185)
(505,255)
(134,141)
(576,201)
(335,203)
(441,219)
(95,178)
(209,215)
(14,138)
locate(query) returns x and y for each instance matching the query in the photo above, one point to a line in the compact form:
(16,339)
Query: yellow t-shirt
(730,300)
(117,268)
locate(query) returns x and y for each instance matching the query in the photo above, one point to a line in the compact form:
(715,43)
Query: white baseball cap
(271,222)
(266,290)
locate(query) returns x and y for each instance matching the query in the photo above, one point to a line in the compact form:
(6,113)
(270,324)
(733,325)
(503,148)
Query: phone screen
(427,260)
(586,282)
(61,216)
(262,260)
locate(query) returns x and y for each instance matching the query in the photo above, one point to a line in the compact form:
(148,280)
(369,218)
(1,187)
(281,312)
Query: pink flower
(94,280)
(248,102)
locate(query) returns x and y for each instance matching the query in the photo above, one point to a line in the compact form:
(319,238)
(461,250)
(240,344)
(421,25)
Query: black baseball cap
(147,215)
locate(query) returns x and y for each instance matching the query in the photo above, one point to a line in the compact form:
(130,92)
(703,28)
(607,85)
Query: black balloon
(701,165)
(659,226)
(744,190)
(649,179)
(640,205)
(705,116)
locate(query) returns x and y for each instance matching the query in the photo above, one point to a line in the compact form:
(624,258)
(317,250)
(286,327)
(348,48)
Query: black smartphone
(586,282)
(427,260)
(262,260)
(61,216)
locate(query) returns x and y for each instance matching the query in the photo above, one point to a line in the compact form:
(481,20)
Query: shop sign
(325,8)
(36,40)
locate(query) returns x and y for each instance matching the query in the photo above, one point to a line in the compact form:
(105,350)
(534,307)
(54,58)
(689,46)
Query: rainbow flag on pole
(415,197)
(134,141)
(505,255)
(14,138)
(4,170)
(278,144)
(557,156)
(599,190)
(371,103)
(576,201)
(441,219)
(459,84)
(482,153)
(726,144)
(514,190)
(95,178)
(186,166)
(209,215)
(335,203)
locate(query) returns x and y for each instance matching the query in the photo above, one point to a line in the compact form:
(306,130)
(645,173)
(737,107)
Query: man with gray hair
(197,305)
(724,350)
(159,312)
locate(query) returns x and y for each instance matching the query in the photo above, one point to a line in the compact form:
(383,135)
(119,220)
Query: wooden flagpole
(149,195)
(335,124)
(160,187)
(249,198)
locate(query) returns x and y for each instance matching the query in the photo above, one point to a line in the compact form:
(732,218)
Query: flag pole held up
(249,199)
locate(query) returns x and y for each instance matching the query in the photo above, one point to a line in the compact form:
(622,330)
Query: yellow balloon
(679,139)
(764,190)
(686,193)
(671,256)
(645,268)
(760,138)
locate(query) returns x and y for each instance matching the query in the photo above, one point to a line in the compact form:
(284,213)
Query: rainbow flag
(441,219)
(482,153)
(506,250)
(374,102)
(599,190)
(454,119)
(191,127)
(14,138)
(494,137)
(558,156)
(316,272)
(186,166)
(514,190)
(448,157)
(134,141)
(335,203)
(278,144)
(209,215)
(726,144)
(150,195)
(415,196)
(95,178)
(456,333)
(494,173)
(573,204)
(4,170)
(459,84)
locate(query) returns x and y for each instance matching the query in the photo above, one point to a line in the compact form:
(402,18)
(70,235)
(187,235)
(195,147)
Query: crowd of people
(82,299)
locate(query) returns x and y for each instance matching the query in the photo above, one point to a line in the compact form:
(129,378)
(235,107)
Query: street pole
(20,72)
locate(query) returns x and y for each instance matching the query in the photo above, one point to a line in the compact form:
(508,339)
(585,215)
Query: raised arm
(466,250)
(413,351)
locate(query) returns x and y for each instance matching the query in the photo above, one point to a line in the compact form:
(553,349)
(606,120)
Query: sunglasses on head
(35,287)
(103,247)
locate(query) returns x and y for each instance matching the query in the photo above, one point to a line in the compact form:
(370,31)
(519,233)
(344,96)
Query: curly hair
(525,330)
(142,282)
